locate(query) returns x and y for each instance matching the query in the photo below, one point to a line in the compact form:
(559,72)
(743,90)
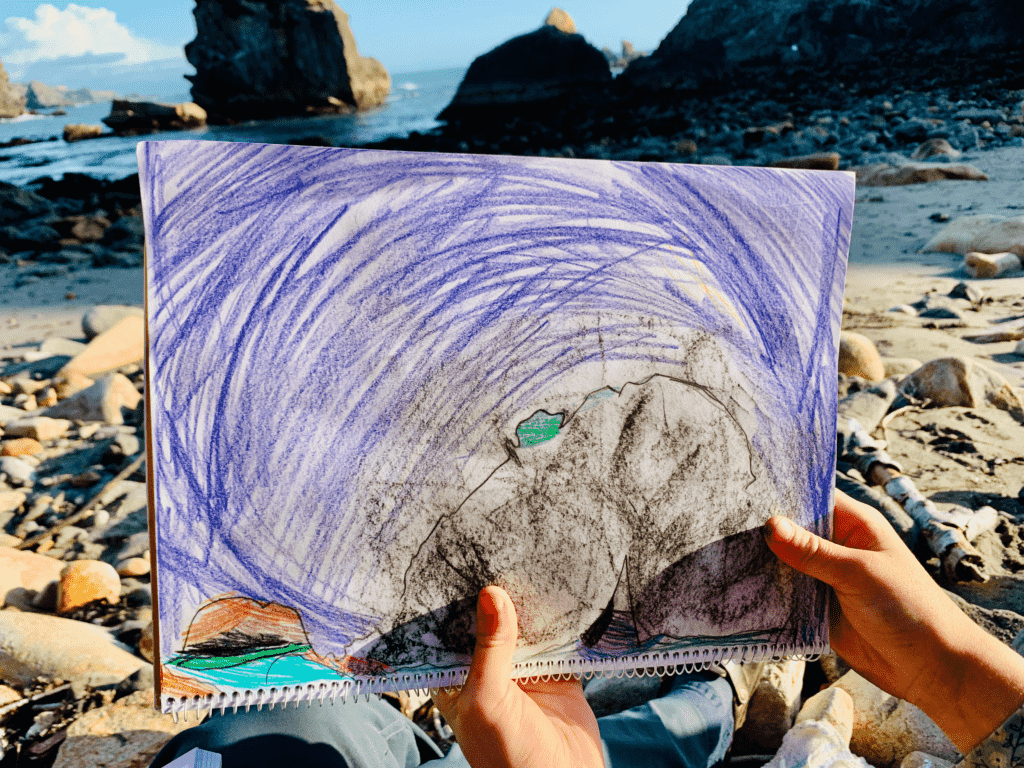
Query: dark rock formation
(11,104)
(715,36)
(129,118)
(263,58)
(534,68)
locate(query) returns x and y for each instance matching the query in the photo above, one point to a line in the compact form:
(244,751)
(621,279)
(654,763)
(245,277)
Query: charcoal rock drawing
(380,380)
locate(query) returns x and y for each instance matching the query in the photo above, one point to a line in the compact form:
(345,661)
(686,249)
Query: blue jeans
(689,727)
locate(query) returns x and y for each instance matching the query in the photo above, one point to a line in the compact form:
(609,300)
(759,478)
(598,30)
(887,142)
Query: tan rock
(952,381)
(7,540)
(5,388)
(80,131)
(896,366)
(8,695)
(83,581)
(887,729)
(125,734)
(11,500)
(935,148)
(38,428)
(819,161)
(924,760)
(858,357)
(561,20)
(146,642)
(47,398)
(21,446)
(832,705)
(981,233)
(987,266)
(24,572)
(773,705)
(133,566)
(34,644)
(26,402)
(27,386)
(107,400)
(71,383)
(122,344)
(884,175)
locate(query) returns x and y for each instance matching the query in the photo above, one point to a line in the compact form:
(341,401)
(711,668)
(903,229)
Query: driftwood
(944,533)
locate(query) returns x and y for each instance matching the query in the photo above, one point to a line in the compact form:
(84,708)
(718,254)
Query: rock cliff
(43,96)
(716,36)
(11,104)
(549,63)
(263,58)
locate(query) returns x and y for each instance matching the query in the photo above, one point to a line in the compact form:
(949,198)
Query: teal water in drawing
(267,672)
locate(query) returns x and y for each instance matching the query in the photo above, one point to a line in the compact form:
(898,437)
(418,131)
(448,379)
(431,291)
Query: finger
(497,629)
(808,553)
(861,526)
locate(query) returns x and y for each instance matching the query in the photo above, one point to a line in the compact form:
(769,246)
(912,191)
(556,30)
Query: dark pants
(689,727)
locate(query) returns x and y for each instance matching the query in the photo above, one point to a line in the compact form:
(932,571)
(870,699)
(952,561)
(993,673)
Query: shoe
(744,679)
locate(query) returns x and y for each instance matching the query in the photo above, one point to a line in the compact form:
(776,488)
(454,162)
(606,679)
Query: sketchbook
(379,381)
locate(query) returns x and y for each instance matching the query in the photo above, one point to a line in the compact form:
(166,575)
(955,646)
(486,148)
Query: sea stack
(265,58)
(553,62)
(716,36)
(11,104)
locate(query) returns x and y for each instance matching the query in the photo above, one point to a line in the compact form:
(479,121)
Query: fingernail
(490,612)
(784,529)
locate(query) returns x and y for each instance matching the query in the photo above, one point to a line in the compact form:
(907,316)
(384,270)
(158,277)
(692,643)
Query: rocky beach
(931,366)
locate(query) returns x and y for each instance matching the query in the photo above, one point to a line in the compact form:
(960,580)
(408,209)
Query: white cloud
(76,31)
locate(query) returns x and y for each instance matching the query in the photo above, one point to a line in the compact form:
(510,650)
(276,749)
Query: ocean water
(415,100)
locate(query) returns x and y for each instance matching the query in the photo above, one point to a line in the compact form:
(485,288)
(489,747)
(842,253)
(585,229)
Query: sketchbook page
(381,381)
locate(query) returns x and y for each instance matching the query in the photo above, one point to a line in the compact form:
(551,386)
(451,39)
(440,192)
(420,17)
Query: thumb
(497,629)
(799,548)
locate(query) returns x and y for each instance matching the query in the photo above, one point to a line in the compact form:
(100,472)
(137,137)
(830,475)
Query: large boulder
(716,36)
(536,68)
(11,103)
(129,118)
(262,58)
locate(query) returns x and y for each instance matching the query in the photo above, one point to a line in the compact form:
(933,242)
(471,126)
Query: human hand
(502,723)
(898,629)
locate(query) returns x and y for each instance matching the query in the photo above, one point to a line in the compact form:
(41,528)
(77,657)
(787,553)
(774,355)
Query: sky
(118,43)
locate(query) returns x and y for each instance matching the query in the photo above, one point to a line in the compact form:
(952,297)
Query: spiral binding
(642,665)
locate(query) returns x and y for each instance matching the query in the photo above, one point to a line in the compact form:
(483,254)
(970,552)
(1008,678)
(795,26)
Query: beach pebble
(83,581)
(896,366)
(104,317)
(815,744)
(858,357)
(904,309)
(818,161)
(887,729)
(27,386)
(47,398)
(942,312)
(832,705)
(8,695)
(58,346)
(108,400)
(86,479)
(886,175)
(69,384)
(924,760)
(935,148)
(120,345)
(985,233)
(139,597)
(952,381)
(22,572)
(773,705)
(18,471)
(38,428)
(989,265)
(124,734)
(21,446)
(972,293)
(26,402)
(133,566)
(146,642)
(1019,349)
(33,644)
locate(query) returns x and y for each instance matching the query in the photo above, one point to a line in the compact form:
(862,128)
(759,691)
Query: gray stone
(120,259)
(972,293)
(31,236)
(18,471)
(130,118)
(104,317)
(18,205)
(127,232)
(942,312)
(108,400)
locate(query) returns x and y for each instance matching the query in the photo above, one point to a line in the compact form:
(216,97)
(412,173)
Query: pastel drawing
(380,381)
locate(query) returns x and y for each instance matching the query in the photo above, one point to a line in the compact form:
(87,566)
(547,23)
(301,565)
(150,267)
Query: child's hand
(503,724)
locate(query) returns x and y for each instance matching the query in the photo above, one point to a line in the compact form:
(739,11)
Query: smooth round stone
(83,581)
(133,566)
